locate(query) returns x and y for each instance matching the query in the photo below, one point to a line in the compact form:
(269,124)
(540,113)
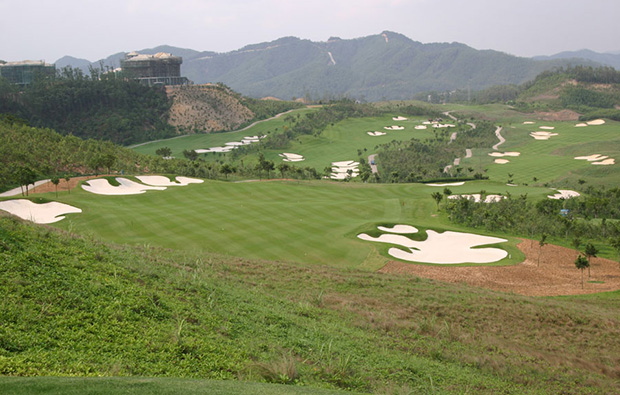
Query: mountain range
(382,66)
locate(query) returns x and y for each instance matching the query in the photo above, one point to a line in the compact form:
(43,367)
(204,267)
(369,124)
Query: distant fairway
(312,222)
(552,161)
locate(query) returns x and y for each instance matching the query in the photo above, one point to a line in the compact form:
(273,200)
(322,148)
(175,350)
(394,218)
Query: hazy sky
(46,29)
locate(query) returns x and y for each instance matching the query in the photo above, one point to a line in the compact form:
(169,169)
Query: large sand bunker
(442,248)
(596,122)
(449,184)
(542,135)
(161,181)
(45,213)
(289,157)
(564,194)
(501,161)
(606,162)
(500,154)
(420,127)
(598,159)
(343,169)
(393,127)
(399,118)
(232,145)
(374,134)
(101,186)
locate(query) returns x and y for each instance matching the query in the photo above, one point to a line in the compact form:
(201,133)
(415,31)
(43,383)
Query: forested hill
(382,66)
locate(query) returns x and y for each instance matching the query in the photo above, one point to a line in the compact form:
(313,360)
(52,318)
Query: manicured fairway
(552,161)
(313,222)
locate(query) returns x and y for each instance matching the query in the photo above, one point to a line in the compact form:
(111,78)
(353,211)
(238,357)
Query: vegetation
(147,311)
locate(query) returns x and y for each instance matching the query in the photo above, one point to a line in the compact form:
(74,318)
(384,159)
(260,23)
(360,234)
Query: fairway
(310,222)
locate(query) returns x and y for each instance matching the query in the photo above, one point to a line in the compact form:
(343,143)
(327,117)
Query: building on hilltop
(159,69)
(24,72)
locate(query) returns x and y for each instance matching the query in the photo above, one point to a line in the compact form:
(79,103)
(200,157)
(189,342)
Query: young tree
(590,252)
(67,178)
(190,154)
(283,168)
(541,243)
(164,152)
(615,243)
(25,176)
(438,198)
(581,263)
(55,181)
(226,169)
(576,243)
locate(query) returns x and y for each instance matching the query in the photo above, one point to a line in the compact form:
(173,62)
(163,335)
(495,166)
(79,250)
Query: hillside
(105,310)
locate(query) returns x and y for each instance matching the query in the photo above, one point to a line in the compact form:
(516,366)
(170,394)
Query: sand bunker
(501,161)
(446,125)
(476,197)
(403,229)
(45,213)
(547,127)
(376,133)
(500,154)
(564,194)
(581,125)
(399,118)
(215,149)
(232,145)
(421,127)
(101,186)
(542,135)
(606,162)
(592,158)
(161,181)
(442,248)
(288,157)
(393,127)
(340,170)
(528,123)
(596,122)
(450,184)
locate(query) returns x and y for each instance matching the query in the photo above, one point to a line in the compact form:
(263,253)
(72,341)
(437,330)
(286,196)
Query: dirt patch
(563,115)
(556,275)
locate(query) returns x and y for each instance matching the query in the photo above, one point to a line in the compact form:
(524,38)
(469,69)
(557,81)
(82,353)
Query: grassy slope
(73,306)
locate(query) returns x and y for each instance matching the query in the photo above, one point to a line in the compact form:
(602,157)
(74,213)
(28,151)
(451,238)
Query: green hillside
(74,306)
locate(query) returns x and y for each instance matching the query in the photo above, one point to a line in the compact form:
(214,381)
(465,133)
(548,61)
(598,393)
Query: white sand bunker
(596,122)
(232,145)
(342,170)
(592,158)
(161,181)
(393,127)
(500,154)
(528,123)
(564,194)
(420,127)
(376,133)
(547,127)
(442,248)
(477,198)
(402,229)
(501,161)
(542,135)
(101,186)
(450,184)
(45,213)
(581,125)
(606,162)
(399,118)
(288,157)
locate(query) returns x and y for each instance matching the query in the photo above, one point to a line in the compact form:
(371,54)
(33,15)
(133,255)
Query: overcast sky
(46,29)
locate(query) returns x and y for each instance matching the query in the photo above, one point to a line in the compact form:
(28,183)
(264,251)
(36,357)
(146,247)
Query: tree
(438,198)
(283,168)
(67,178)
(541,243)
(190,154)
(164,152)
(25,176)
(576,243)
(581,263)
(107,161)
(55,181)
(226,169)
(590,252)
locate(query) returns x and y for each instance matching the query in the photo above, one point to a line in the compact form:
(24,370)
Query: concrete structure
(159,69)
(24,72)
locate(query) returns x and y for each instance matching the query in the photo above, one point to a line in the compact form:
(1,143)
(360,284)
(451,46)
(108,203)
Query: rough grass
(74,307)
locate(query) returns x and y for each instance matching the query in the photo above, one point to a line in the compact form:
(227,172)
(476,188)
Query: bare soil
(556,274)
(562,115)
(63,186)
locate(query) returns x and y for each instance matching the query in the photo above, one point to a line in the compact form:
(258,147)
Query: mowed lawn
(311,222)
(552,161)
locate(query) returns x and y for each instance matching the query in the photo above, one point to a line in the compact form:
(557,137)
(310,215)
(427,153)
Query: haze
(40,29)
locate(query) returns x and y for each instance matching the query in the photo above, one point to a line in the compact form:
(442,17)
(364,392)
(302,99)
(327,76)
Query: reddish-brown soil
(62,185)
(563,115)
(556,275)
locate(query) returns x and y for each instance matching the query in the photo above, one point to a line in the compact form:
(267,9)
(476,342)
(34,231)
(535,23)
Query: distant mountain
(65,61)
(383,66)
(608,59)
